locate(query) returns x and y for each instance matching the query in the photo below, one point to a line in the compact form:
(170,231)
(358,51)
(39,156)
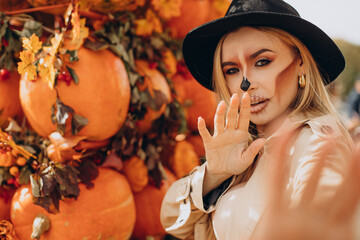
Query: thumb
(253,149)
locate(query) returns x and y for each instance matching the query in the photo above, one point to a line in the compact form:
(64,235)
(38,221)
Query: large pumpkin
(12,5)
(104,6)
(5,202)
(218,9)
(193,14)
(9,98)
(106,211)
(202,102)
(154,82)
(148,204)
(102,96)
(184,158)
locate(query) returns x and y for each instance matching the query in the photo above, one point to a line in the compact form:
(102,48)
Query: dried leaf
(145,27)
(62,149)
(79,32)
(27,67)
(77,123)
(88,172)
(63,112)
(47,70)
(32,44)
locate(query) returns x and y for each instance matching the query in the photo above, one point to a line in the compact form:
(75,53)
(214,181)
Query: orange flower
(145,27)
(167,8)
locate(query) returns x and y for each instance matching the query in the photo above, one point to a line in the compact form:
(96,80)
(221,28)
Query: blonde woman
(265,60)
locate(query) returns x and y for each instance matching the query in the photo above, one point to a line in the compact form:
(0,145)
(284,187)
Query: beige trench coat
(183,214)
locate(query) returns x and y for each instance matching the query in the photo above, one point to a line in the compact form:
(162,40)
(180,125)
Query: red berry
(4,74)
(68,78)
(60,77)
(153,65)
(5,42)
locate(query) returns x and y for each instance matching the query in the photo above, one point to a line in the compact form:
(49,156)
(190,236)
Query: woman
(265,59)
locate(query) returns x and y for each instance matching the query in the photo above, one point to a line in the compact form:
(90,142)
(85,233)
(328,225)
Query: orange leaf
(145,27)
(26,67)
(32,44)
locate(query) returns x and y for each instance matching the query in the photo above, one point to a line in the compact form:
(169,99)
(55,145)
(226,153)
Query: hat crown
(271,6)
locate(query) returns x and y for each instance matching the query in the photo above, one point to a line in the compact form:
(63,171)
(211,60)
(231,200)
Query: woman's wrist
(212,181)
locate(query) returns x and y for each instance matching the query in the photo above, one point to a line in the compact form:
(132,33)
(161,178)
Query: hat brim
(200,43)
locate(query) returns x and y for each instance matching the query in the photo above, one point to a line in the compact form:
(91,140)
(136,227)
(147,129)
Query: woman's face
(271,67)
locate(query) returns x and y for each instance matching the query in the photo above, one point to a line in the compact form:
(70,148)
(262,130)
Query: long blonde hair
(313,100)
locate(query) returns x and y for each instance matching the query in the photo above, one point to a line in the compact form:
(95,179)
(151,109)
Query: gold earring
(302,81)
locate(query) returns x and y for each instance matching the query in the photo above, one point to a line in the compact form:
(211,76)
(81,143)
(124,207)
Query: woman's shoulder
(314,134)
(325,126)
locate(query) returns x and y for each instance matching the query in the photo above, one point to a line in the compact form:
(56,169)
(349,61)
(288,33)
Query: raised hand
(332,220)
(227,151)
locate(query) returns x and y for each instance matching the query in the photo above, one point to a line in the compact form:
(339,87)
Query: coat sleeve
(182,211)
(306,154)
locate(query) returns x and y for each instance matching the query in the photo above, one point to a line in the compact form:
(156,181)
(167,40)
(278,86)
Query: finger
(320,158)
(204,133)
(244,117)
(219,118)
(348,195)
(253,149)
(232,113)
(278,172)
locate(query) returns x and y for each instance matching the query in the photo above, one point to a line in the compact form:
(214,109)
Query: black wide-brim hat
(200,43)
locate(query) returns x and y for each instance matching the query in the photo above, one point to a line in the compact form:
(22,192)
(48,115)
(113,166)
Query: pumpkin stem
(40,225)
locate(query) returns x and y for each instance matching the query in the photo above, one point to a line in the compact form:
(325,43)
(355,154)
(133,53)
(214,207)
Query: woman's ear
(301,69)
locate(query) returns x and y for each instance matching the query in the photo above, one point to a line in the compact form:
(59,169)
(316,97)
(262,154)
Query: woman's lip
(259,106)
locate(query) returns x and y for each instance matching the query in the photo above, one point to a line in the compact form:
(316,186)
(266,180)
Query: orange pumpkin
(184,159)
(5,203)
(197,142)
(218,9)
(153,81)
(12,5)
(193,14)
(106,211)
(102,96)
(104,6)
(136,172)
(203,102)
(9,98)
(148,204)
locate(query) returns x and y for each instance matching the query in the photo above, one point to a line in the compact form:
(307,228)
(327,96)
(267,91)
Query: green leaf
(77,123)
(120,51)
(95,45)
(24,177)
(73,75)
(73,55)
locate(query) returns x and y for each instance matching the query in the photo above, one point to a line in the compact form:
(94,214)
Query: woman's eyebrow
(257,53)
(227,64)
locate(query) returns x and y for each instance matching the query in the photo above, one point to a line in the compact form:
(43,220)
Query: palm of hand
(227,151)
(224,150)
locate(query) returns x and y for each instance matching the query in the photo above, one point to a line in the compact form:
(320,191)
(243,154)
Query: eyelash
(260,63)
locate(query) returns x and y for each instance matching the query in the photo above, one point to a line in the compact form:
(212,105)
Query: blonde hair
(313,100)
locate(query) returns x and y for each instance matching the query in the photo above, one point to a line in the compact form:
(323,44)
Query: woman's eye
(231,71)
(262,62)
